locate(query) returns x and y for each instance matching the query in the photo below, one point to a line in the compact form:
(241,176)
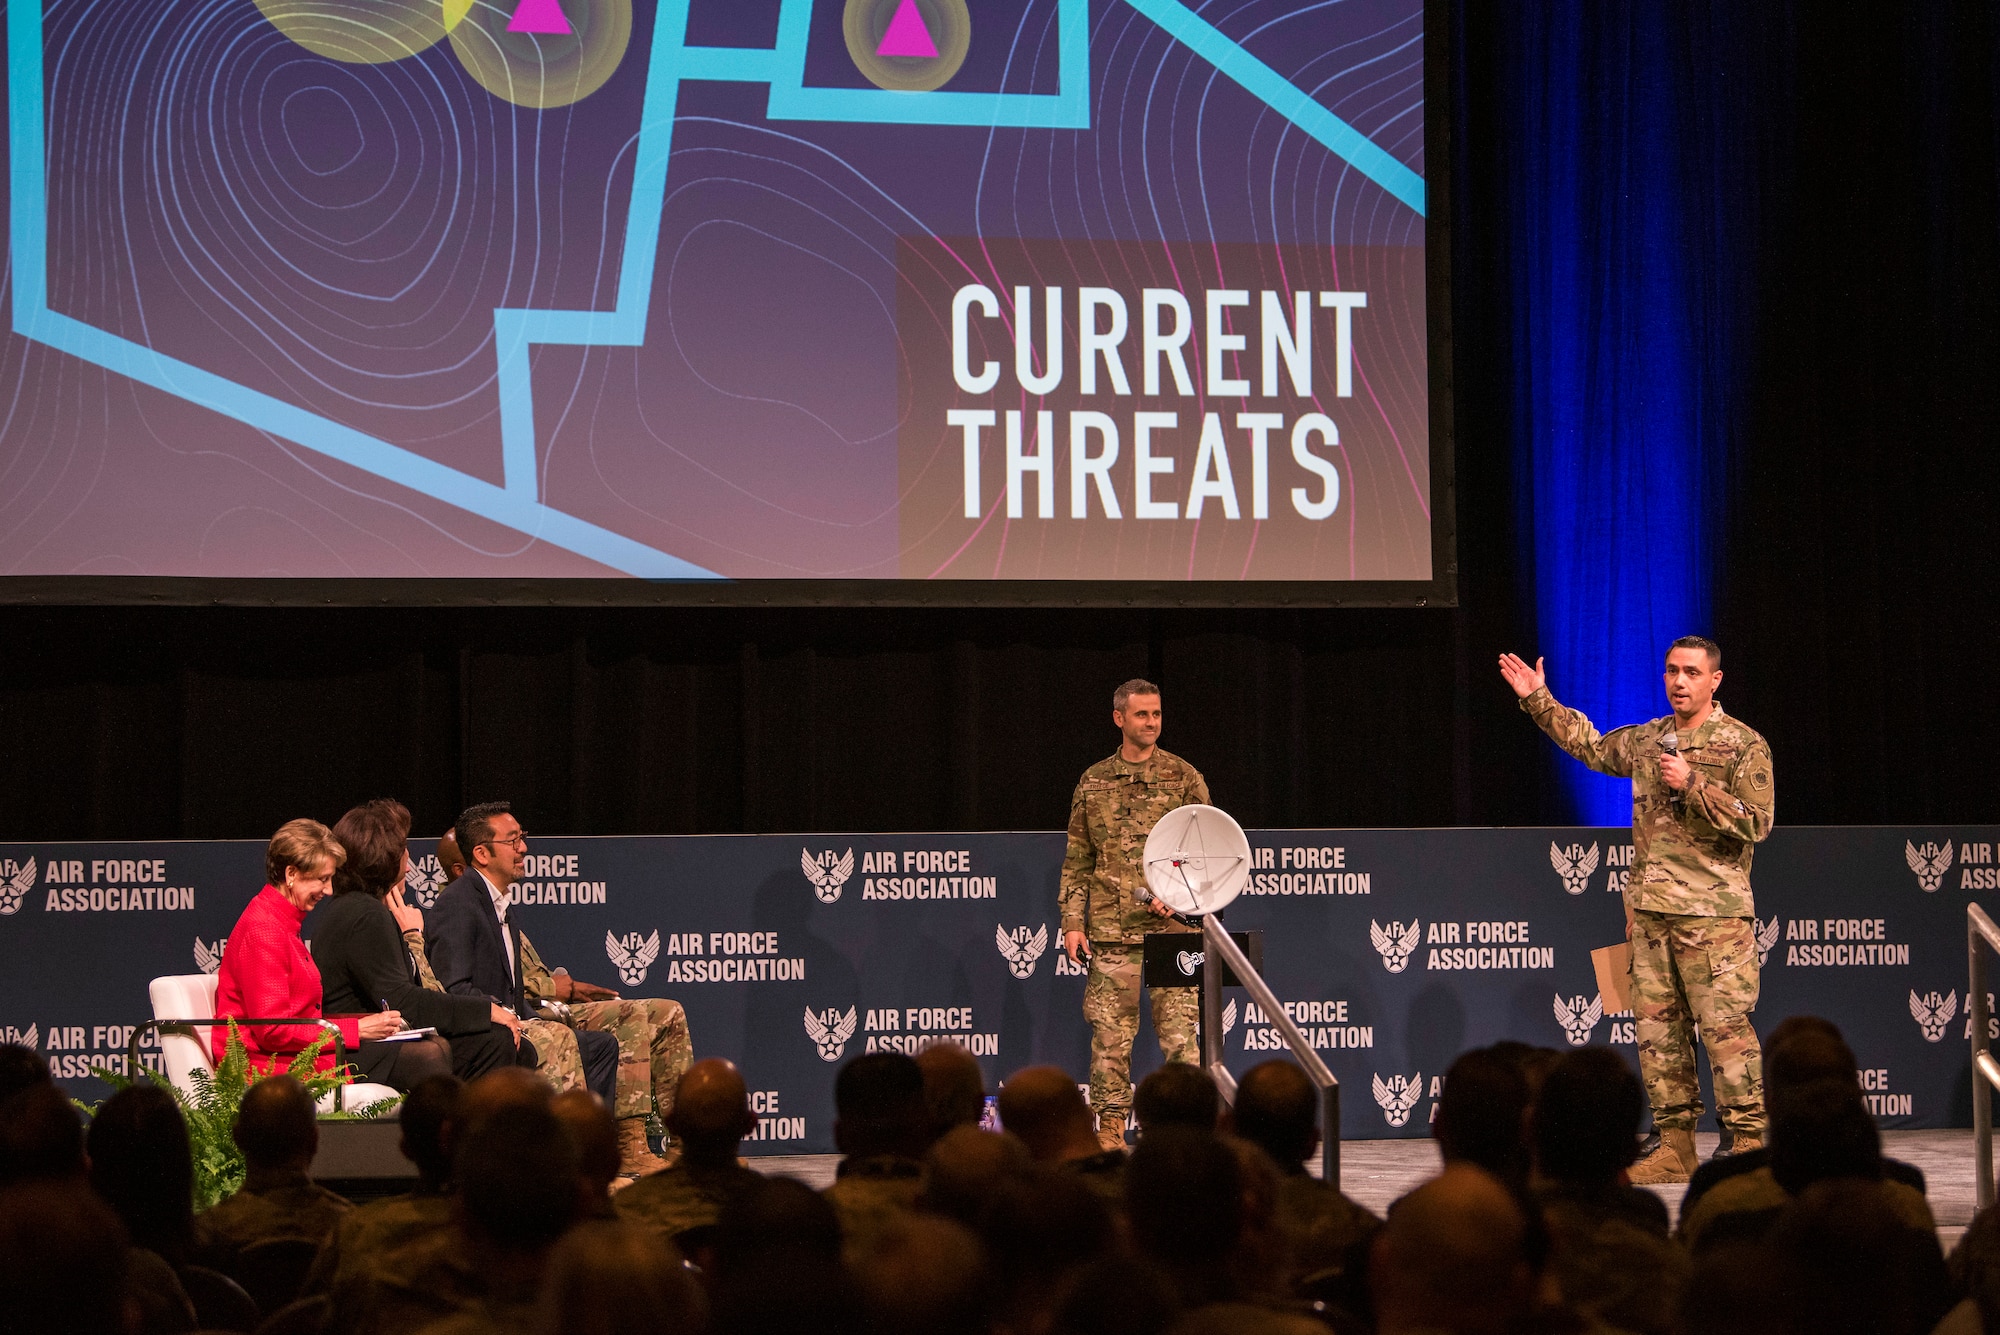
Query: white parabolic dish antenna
(1197,859)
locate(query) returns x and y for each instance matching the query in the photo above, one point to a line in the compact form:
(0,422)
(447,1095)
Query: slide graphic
(464,288)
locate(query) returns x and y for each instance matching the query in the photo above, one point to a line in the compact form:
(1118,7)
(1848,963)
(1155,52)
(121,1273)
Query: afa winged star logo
(31,1037)
(826,872)
(830,1032)
(1574,864)
(1398,1095)
(1929,861)
(1229,1016)
(1578,1018)
(16,880)
(424,879)
(1021,950)
(1767,937)
(1397,944)
(631,955)
(1933,1012)
(208,958)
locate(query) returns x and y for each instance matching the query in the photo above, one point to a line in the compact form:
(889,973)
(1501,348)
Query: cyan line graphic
(516,503)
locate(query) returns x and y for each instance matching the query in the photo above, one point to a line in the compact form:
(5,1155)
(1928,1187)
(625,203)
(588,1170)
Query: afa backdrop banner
(1395,949)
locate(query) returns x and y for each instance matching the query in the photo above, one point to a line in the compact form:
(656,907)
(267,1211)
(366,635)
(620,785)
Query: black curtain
(1855,599)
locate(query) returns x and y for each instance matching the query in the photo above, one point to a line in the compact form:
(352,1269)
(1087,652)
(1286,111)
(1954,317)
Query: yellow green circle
(363,32)
(864,22)
(543,69)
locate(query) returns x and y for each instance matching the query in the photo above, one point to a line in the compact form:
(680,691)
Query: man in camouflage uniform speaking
(1107,910)
(1699,807)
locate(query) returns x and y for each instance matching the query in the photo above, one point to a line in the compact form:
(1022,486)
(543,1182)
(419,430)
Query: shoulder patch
(1761,779)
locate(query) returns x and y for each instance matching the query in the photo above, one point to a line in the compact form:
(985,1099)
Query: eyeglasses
(518,839)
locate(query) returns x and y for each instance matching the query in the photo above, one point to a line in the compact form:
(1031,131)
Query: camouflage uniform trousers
(1111,1004)
(558,1059)
(1690,971)
(654,1050)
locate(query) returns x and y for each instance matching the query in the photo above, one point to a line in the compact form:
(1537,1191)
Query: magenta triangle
(539,16)
(907,35)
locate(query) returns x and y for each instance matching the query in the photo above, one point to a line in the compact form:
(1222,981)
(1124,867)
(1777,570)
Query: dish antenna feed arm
(1197,860)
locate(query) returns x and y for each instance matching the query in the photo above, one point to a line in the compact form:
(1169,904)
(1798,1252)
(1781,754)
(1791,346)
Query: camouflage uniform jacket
(1690,851)
(282,1205)
(869,1195)
(1116,805)
(676,1199)
(371,1231)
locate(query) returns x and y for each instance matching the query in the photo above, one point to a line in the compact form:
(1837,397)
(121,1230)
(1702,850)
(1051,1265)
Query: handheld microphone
(1147,897)
(1670,745)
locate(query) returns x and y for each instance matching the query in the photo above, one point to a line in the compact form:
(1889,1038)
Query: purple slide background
(338,235)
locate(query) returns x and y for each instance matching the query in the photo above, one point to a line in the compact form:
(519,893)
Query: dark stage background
(1725,321)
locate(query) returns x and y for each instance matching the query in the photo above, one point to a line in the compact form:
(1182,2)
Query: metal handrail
(339,1043)
(1979,1016)
(1216,943)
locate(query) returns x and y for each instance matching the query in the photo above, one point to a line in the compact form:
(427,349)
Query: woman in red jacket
(268,974)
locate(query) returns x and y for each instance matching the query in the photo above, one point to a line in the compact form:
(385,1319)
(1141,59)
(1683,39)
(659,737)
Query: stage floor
(1376,1172)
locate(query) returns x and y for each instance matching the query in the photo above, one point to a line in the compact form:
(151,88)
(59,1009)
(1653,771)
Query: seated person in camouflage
(966,1169)
(1043,1106)
(1802,1048)
(277,1129)
(516,1187)
(954,1086)
(595,1135)
(1820,1131)
(370,1231)
(711,1115)
(1609,1243)
(1277,1110)
(881,1125)
(1177,1094)
(654,1048)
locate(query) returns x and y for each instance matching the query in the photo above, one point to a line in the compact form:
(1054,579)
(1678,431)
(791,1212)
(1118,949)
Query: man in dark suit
(473,947)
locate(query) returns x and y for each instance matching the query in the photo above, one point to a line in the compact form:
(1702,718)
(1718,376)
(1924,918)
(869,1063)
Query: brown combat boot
(1746,1141)
(1674,1161)
(1111,1132)
(635,1156)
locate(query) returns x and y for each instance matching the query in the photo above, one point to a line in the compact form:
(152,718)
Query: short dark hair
(426,1108)
(276,1124)
(143,1166)
(375,835)
(475,826)
(1178,1094)
(1136,686)
(1586,1121)
(21,1068)
(879,1100)
(517,1177)
(1703,643)
(1277,1109)
(1479,1115)
(41,1136)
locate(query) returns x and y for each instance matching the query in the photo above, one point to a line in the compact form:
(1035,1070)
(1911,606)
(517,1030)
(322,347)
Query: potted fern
(210,1111)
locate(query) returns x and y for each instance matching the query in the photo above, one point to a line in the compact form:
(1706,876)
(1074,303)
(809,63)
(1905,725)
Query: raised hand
(1524,679)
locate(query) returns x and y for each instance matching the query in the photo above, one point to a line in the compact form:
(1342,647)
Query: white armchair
(191,996)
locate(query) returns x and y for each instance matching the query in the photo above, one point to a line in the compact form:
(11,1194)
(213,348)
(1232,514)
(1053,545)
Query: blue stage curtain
(1630,216)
